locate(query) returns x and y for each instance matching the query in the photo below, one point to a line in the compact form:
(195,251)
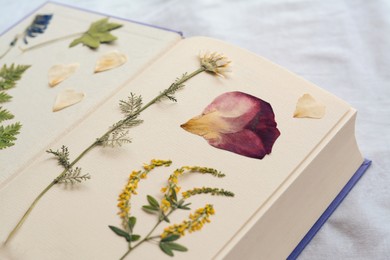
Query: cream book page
(33,98)
(71,221)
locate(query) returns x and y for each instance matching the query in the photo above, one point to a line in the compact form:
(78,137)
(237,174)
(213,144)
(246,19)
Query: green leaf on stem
(170,238)
(120,232)
(131,223)
(166,249)
(176,246)
(98,32)
(153,202)
(150,209)
(135,237)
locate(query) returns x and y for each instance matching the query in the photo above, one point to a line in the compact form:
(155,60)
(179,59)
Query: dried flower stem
(42,44)
(98,142)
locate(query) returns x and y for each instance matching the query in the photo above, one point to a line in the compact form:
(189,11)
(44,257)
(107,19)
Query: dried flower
(215,63)
(196,222)
(237,122)
(132,185)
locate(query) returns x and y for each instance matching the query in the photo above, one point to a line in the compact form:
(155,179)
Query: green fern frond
(9,75)
(5,115)
(8,133)
(4,97)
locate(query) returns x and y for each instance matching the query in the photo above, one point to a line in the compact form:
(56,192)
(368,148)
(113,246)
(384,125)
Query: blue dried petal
(38,26)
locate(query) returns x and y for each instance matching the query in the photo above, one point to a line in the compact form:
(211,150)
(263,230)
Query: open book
(279,194)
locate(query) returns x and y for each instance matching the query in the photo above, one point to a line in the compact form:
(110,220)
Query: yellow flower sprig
(131,188)
(207,190)
(172,189)
(194,223)
(169,203)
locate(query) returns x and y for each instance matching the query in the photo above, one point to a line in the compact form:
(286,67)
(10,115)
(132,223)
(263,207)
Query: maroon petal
(237,122)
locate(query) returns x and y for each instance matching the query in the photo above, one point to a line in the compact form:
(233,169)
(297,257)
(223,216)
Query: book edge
(329,211)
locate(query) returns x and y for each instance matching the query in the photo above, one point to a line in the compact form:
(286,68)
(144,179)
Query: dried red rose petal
(237,122)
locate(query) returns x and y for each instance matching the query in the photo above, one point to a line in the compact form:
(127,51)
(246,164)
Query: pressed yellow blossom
(130,189)
(196,221)
(215,63)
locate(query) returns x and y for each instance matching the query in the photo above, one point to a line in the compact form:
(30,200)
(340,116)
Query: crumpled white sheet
(342,46)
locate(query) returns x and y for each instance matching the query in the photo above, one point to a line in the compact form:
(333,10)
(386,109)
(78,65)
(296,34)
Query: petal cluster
(215,63)
(239,123)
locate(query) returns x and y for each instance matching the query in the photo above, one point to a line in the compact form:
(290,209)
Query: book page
(72,220)
(33,98)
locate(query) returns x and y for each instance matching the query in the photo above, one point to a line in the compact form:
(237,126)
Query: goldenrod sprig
(117,134)
(194,223)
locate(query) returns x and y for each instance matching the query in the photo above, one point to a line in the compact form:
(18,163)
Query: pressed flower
(237,122)
(215,63)
(195,222)
(308,107)
(132,185)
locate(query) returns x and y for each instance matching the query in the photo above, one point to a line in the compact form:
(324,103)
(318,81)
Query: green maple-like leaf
(98,32)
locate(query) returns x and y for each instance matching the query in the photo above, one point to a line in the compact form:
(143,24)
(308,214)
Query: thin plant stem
(93,145)
(147,237)
(39,45)
(5,53)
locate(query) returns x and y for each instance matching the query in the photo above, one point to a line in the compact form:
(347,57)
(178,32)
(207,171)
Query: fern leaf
(9,75)
(4,97)
(8,133)
(5,115)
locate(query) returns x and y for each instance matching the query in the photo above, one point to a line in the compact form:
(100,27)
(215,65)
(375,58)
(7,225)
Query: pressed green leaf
(170,238)
(105,37)
(177,247)
(166,249)
(120,232)
(131,223)
(150,209)
(7,134)
(153,202)
(4,97)
(98,32)
(135,237)
(5,115)
(9,75)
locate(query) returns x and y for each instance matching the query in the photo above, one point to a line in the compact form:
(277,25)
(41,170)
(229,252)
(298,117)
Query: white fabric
(342,46)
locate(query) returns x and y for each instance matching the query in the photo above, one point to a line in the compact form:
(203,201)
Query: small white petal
(307,106)
(67,98)
(110,60)
(60,72)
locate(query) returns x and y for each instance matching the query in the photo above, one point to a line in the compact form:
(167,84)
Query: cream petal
(110,60)
(67,98)
(307,106)
(60,72)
